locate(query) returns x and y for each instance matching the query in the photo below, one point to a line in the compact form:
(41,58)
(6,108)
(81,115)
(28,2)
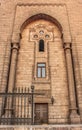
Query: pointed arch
(41,16)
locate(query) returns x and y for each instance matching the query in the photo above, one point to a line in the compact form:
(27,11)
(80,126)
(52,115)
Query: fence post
(32,101)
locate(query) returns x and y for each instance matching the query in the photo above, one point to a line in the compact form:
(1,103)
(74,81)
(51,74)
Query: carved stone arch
(67,46)
(41,16)
(72,108)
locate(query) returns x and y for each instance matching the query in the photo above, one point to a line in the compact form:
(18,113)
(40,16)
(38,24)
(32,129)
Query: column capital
(15,46)
(67,45)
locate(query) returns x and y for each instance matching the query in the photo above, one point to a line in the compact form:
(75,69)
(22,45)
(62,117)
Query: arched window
(41,45)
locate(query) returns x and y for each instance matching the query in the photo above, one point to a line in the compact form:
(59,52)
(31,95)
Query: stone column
(11,83)
(74,117)
(77,77)
(4,79)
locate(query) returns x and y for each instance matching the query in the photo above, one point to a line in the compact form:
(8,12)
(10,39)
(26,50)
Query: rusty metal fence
(16,107)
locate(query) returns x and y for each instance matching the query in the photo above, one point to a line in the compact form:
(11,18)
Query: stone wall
(8,19)
(68,13)
(53,56)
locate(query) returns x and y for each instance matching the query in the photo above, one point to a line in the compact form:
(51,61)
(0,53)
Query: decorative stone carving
(41,32)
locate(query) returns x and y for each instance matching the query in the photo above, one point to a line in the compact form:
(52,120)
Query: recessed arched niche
(41,62)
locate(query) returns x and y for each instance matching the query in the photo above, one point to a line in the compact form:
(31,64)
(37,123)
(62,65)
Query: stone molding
(25,8)
(67,46)
(41,4)
(15,46)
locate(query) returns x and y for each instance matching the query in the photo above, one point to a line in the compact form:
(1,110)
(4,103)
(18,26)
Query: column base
(75,118)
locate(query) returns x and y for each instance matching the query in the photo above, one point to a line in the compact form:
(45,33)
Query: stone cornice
(41,4)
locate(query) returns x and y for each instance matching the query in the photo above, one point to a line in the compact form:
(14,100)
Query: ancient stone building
(40,63)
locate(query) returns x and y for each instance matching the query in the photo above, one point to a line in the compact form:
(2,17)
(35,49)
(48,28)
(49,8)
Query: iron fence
(16,107)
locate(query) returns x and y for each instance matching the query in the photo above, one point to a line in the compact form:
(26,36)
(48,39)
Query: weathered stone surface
(13,15)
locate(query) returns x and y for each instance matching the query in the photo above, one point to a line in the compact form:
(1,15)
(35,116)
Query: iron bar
(21,94)
(32,101)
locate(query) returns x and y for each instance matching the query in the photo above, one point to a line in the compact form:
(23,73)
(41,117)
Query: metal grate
(16,107)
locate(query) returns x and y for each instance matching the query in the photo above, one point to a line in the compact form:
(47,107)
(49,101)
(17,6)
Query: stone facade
(56,24)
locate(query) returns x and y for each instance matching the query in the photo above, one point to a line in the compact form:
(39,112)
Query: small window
(41,70)
(41,45)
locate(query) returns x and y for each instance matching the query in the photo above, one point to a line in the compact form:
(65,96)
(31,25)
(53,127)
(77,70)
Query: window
(41,45)
(41,70)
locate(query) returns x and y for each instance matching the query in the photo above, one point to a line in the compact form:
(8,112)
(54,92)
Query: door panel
(41,113)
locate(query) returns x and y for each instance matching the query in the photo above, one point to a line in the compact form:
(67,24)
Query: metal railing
(17,108)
